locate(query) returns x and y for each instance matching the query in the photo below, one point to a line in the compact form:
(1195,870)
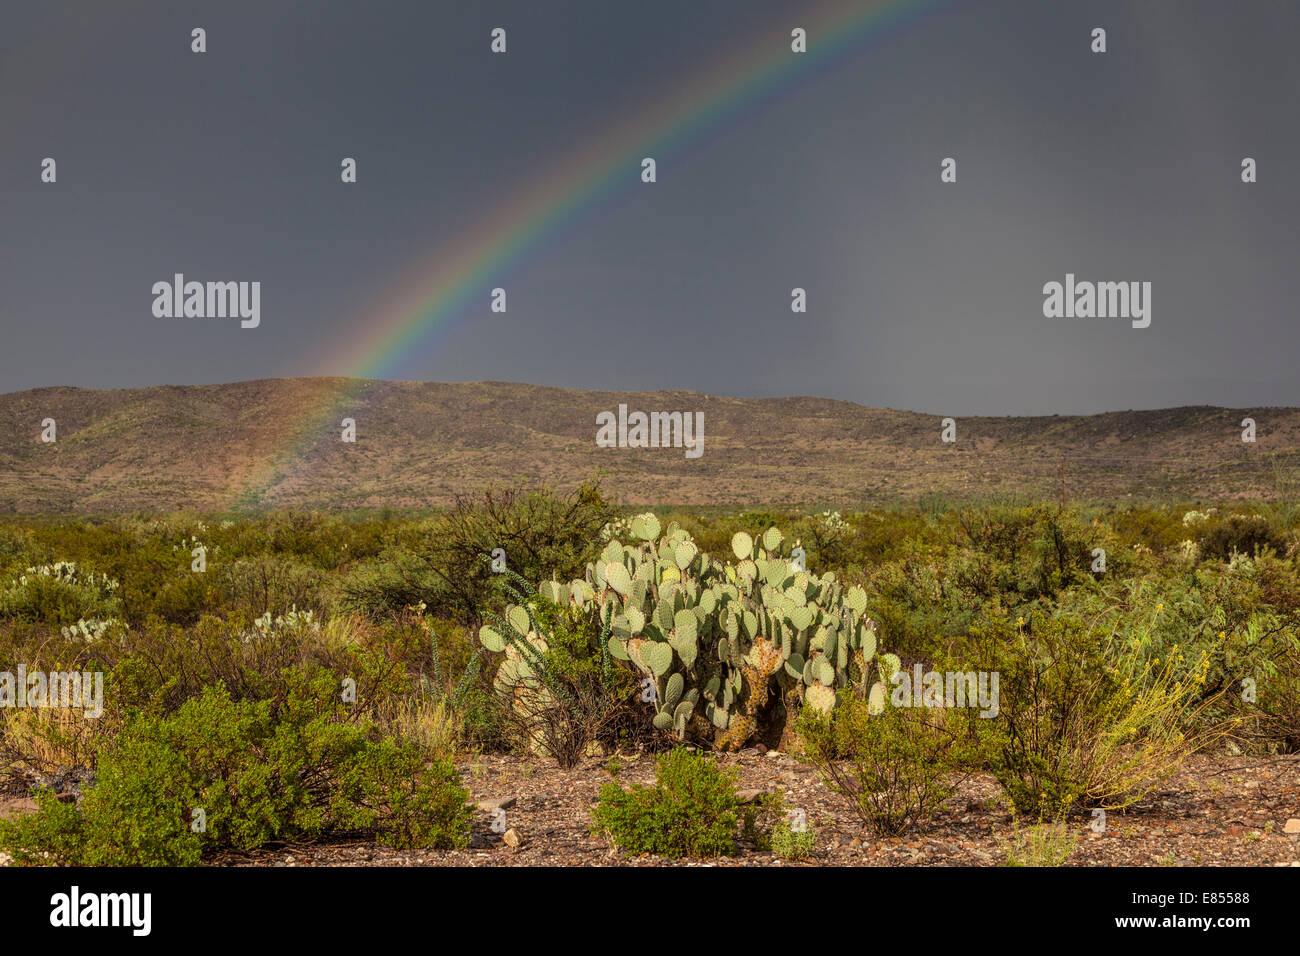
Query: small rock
(512,838)
(1292,825)
(748,796)
(489,804)
(774,753)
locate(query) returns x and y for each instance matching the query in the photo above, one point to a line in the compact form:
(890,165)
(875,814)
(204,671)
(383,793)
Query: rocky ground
(1219,811)
(1242,811)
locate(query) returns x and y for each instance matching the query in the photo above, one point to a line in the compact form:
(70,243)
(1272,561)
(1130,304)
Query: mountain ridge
(275,443)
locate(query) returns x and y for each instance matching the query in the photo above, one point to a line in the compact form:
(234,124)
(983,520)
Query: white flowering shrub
(1240,563)
(189,543)
(92,631)
(294,621)
(831,520)
(60,594)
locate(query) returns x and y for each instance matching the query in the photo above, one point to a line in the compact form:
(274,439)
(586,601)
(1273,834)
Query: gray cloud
(922,295)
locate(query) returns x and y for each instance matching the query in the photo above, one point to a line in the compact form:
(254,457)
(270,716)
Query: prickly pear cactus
(722,643)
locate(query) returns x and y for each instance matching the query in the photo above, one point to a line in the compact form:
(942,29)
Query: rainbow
(463,270)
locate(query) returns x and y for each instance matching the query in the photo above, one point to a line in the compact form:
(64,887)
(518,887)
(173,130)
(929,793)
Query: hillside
(276,443)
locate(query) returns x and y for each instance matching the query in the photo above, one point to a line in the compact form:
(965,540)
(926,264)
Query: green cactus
(722,641)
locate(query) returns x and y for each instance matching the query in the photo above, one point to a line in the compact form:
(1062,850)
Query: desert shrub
(1225,536)
(60,594)
(1028,552)
(1040,845)
(15,547)
(256,773)
(557,688)
(692,809)
(767,825)
(1278,698)
(916,605)
(791,844)
(160,666)
(1242,618)
(541,533)
(1158,530)
(181,597)
(895,766)
(987,559)
(1080,724)
(396,579)
(271,583)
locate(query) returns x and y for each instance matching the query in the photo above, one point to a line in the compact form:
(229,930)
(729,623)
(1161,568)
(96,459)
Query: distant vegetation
(1189,638)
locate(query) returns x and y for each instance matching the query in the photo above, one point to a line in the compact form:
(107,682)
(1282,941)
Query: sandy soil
(1219,811)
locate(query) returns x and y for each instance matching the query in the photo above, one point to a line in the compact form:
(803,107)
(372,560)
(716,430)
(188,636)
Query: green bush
(221,773)
(391,582)
(541,532)
(1081,722)
(791,844)
(1246,535)
(896,767)
(60,594)
(692,809)
(269,582)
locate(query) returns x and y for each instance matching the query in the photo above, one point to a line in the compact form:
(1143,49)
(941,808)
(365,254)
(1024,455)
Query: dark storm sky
(225,166)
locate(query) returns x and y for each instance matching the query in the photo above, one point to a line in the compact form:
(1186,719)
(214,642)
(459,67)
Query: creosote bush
(221,773)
